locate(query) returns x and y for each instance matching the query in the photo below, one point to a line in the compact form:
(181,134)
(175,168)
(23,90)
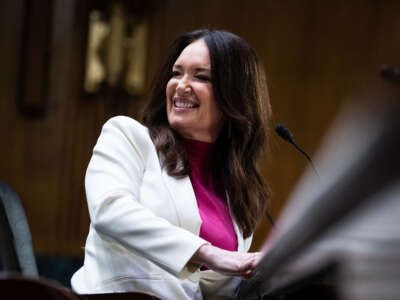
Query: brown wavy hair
(241,92)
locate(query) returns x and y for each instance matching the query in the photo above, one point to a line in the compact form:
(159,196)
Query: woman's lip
(183,109)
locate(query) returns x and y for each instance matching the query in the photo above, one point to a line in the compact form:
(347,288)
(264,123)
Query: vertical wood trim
(35,57)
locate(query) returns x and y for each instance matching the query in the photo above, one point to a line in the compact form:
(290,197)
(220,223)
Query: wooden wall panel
(317,54)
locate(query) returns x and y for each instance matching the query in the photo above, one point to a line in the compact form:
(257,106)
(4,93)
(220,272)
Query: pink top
(217,226)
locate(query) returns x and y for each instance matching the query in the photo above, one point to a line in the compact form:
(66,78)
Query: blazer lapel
(239,236)
(184,199)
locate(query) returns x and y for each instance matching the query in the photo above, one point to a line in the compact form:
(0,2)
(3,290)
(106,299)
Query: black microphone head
(284,133)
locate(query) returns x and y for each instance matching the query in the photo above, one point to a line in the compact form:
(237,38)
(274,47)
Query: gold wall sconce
(117,48)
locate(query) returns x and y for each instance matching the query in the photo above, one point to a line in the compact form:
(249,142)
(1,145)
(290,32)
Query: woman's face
(191,107)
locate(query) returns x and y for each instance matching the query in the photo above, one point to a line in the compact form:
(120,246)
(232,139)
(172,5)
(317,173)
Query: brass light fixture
(116,50)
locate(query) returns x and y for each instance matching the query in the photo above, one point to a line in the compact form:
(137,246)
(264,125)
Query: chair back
(15,237)
(16,286)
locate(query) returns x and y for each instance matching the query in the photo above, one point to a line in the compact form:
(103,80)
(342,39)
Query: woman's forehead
(196,53)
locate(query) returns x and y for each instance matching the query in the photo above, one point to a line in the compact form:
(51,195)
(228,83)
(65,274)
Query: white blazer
(145,224)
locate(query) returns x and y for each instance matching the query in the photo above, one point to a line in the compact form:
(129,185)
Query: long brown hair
(241,92)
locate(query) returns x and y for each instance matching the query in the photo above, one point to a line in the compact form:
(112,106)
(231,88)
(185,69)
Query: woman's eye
(203,78)
(175,73)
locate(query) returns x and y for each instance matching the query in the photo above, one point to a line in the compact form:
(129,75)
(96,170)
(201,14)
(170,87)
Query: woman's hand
(226,262)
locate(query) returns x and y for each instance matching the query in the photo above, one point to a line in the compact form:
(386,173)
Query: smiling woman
(191,107)
(173,204)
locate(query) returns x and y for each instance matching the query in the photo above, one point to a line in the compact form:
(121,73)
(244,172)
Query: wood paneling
(317,54)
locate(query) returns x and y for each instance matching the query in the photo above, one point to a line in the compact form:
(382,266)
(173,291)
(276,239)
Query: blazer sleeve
(112,184)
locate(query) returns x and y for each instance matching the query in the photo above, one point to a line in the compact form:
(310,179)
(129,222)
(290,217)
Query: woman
(173,205)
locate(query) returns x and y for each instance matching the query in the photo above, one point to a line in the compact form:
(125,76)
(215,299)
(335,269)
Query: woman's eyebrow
(177,67)
(196,69)
(202,69)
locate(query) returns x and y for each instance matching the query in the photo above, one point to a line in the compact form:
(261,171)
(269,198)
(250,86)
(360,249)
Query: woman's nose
(183,85)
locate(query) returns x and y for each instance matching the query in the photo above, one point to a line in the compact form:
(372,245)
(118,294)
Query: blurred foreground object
(339,238)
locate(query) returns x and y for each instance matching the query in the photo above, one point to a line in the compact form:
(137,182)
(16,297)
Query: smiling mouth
(184,104)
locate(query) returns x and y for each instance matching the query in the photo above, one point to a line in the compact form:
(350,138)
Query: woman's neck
(198,152)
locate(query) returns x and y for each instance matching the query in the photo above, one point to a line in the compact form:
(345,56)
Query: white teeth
(184,104)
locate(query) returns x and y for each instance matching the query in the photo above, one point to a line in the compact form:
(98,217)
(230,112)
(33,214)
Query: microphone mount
(286,135)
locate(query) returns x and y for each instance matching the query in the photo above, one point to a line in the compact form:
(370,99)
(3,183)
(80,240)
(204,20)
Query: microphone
(286,135)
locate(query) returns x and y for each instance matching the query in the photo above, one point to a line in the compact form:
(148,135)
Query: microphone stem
(308,158)
(269,217)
